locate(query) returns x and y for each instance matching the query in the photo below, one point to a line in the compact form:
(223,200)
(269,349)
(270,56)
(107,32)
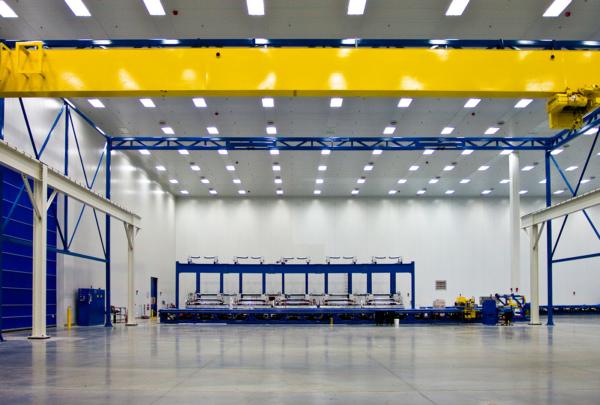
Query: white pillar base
(535,324)
(42,337)
(131,324)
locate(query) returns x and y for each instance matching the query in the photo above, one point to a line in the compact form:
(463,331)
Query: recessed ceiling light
(147,102)
(556,151)
(223,152)
(389,130)
(255,7)
(392,192)
(368,167)
(195,168)
(377,152)
(278,180)
(523,192)
(230,168)
(261,41)
(168,130)
(237,181)
(212,130)
(486,192)
(421,192)
(591,131)
(402,181)
(6,11)
(336,102)
(504,181)
(457,7)
(556,8)
(472,102)
(404,102)
(355,191)
(429,151)
(559,191)
(449,168)
(161,168)
(78,8)
(170,41)
(144,152)
(185,192)
(204,180)
(491,130)
(585,181)
(322,168)
(483,168)
(271,130)
(319,181)
(242,192)
(96,103)
(276,167)
(199,102)
(317,192)
(356,7)
(467,152)
(542,181)
(413,168)
(173,181)
(325,152)
(349,41)
(465,181)
(527,168)
(571,168)
(183,152)
(279,191)
(154,7)
(506,152)
(447,130)
(362,180)
(449,192)
(523,103)
(433,181)
(268,102)
(212,192)
(438,42)
(274,152)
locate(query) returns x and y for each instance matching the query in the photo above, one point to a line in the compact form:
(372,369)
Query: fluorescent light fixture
(356,7)
(274,152)
(402,181)
(322,168)
(317,192)
(355,191)
(325,152)
(212,130)
(78,8)
(237,181)
(173,181)
(255,7)
(404,102)
(556,8)
(336,102)
(429,151)
(278,180)
(377,152)
(261,41)
(421,192)
(362,180)
(389,130)
(506,152)
(6,11)
(223,152)
(144,152)
(102,42)
(212,192)
(433,181)
(542,181)
(523,192)
(523,103)
(276,167)
(279,191)
(527,168)
(96,103)
(204,180)
(161,168)
(242,192)
(147,102)
(271,130)
(449,168)
(349,41)
(185,192)
(486,192)
(571,168)
(195,168)
(591,43)
(392,192)
(556,152)
(457,7)
(183,152)
(319,181)
(413,168)
(591,131)
(585,181)
(472,102)
(483,168)
(467,152)
(491,130)
(559,191)
(230,168)
(199,102)
(438,42)
(447,130)
(465,181)
(449,192)
(368,167)
(168,130)
(268,102)
(154,7)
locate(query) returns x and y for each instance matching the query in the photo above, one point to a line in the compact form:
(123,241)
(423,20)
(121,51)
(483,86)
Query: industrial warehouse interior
(300,202)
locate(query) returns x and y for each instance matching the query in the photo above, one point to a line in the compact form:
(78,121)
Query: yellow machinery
(468,306)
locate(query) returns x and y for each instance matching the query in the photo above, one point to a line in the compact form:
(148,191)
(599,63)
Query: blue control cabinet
(90,307)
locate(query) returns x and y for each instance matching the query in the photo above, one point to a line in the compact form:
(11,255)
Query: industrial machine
(468,307)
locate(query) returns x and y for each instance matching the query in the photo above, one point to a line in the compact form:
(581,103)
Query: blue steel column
(349,283)
(326,278)
(263,283)
(412,286)
(176,287)
(369,283)
(241,283)
(197,282)
(221,283)
(393,282)
(108,322)
(66,171)
(283,283)
(306,283)
(1,197)
(549,240)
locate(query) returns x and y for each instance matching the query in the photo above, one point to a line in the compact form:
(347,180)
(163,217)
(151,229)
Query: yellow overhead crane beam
(570,79)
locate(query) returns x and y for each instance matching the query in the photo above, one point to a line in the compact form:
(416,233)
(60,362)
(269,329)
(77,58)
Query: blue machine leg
(369,283)
(177,288)
(326,279)
(412,288)
(349,283)
(306,283)
(549,240)
(197,282)
(241,283)
(283,283)
(392,283)
(264,283)
(108,322)
(221,283)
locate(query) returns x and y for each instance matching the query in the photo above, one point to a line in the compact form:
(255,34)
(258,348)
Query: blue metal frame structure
(306,269)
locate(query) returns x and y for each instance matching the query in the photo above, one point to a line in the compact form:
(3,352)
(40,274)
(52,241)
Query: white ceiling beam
(567,207)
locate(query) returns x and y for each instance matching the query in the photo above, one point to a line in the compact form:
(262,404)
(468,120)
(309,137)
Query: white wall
(131,187)
(463,241)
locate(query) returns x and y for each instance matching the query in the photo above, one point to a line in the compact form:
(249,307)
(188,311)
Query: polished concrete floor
(187,364)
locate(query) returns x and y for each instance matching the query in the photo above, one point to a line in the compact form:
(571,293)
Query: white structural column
(515,220)
(130,230)
(534,238)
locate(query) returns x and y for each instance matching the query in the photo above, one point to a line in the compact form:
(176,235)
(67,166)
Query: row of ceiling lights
(257,8)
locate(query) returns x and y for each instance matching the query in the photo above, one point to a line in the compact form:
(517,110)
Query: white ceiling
(508,19)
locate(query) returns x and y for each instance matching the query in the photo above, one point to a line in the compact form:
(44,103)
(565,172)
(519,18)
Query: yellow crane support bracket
(32,71)
(566,110)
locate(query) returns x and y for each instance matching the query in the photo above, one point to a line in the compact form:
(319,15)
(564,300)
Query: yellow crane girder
(569,78)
